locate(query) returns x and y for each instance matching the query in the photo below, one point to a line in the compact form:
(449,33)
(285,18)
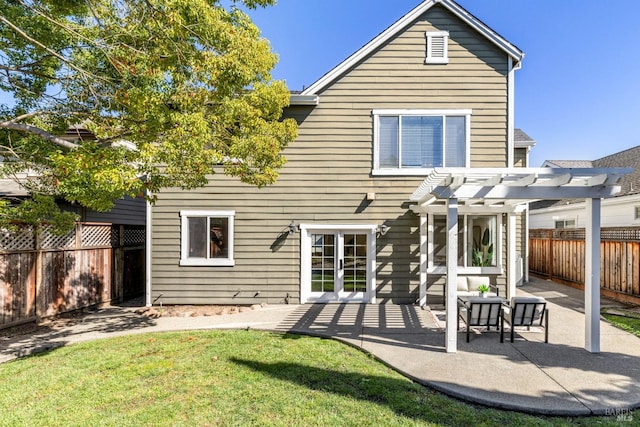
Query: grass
(229,378)
(629,324)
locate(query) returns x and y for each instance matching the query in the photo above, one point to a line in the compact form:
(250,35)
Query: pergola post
(511,255)
(451,303)
(423,260)
(592,276)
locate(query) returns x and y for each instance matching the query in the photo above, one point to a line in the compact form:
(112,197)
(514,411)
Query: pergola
(451,191)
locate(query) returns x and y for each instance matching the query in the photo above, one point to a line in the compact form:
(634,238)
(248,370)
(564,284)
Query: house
(621,211)
(406,174)
(126,211)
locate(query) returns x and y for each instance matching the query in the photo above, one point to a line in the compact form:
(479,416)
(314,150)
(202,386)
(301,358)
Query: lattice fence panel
(134,236)
(21,240)
(96,235)
(623,233)
(569,234)
(48,240)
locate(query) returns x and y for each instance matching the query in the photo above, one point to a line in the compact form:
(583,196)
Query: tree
(168,88)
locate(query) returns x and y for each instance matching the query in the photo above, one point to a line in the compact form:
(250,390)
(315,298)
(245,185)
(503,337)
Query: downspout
(511,156)
(148,254)
(510,113)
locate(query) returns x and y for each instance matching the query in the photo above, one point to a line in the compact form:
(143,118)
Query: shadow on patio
(559,378)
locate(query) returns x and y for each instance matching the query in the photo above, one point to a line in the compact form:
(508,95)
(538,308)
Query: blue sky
(577,94)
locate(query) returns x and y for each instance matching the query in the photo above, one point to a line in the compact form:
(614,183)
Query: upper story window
(437,47)
(411,142)
(206,238)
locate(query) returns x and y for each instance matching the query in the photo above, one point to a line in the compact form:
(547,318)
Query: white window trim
(442,269)
(430,59)
(636,212)
(376,113)
(185,260)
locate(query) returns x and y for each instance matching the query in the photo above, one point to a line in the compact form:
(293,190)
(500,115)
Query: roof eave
(299,99)
(516,54)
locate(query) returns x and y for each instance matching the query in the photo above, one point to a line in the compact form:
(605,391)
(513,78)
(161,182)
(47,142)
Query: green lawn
(628,324)
(229,378)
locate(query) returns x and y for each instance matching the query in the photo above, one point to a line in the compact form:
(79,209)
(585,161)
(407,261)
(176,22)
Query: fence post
(39,297)
(550,253)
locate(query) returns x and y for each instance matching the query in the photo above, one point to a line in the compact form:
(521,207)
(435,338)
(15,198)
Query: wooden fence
(42,274)
(558,254)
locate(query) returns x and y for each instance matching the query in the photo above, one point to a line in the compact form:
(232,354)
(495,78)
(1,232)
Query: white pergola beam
(494,180)
(613,179)
(596,180)
(525,193)
(525,181)
(592,277)
(559,180)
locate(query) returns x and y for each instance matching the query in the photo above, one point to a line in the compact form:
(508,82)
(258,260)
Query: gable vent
(437,47)
(437,52)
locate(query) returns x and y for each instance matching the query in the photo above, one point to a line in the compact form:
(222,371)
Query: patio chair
(478,311)
(528,311)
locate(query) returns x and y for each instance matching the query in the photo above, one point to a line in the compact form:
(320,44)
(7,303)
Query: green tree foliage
(169,89)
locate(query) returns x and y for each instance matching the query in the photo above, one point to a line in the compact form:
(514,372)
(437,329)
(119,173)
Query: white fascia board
(296,99)
(483,29)
(402,23)
(377,41)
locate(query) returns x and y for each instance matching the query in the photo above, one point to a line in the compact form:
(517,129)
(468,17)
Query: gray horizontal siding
(127,211)
(329,173)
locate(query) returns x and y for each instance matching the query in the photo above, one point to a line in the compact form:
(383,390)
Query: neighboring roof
(626,159)
(403,23)
(629,184)
(522,140)
(567,164)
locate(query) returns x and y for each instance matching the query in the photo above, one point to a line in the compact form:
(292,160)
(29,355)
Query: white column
(423,260)
(525,258)
(451,334)
(511,255)
(592,276)
(148,242)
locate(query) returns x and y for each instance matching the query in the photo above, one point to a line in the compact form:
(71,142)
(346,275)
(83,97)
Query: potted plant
(483,289)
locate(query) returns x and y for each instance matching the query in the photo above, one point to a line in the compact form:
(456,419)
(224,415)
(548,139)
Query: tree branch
(10,124)
(47,49)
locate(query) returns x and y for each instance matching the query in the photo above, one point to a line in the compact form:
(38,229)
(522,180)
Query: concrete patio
(558,378)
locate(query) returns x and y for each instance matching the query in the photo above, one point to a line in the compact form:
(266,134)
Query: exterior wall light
(383,229)
(293,227)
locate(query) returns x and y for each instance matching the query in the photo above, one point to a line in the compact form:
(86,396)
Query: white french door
(338,264)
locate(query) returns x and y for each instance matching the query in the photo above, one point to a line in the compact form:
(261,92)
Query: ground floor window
(478,241)
(206,238)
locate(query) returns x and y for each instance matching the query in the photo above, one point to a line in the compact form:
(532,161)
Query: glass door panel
(323,269)
(355,263)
